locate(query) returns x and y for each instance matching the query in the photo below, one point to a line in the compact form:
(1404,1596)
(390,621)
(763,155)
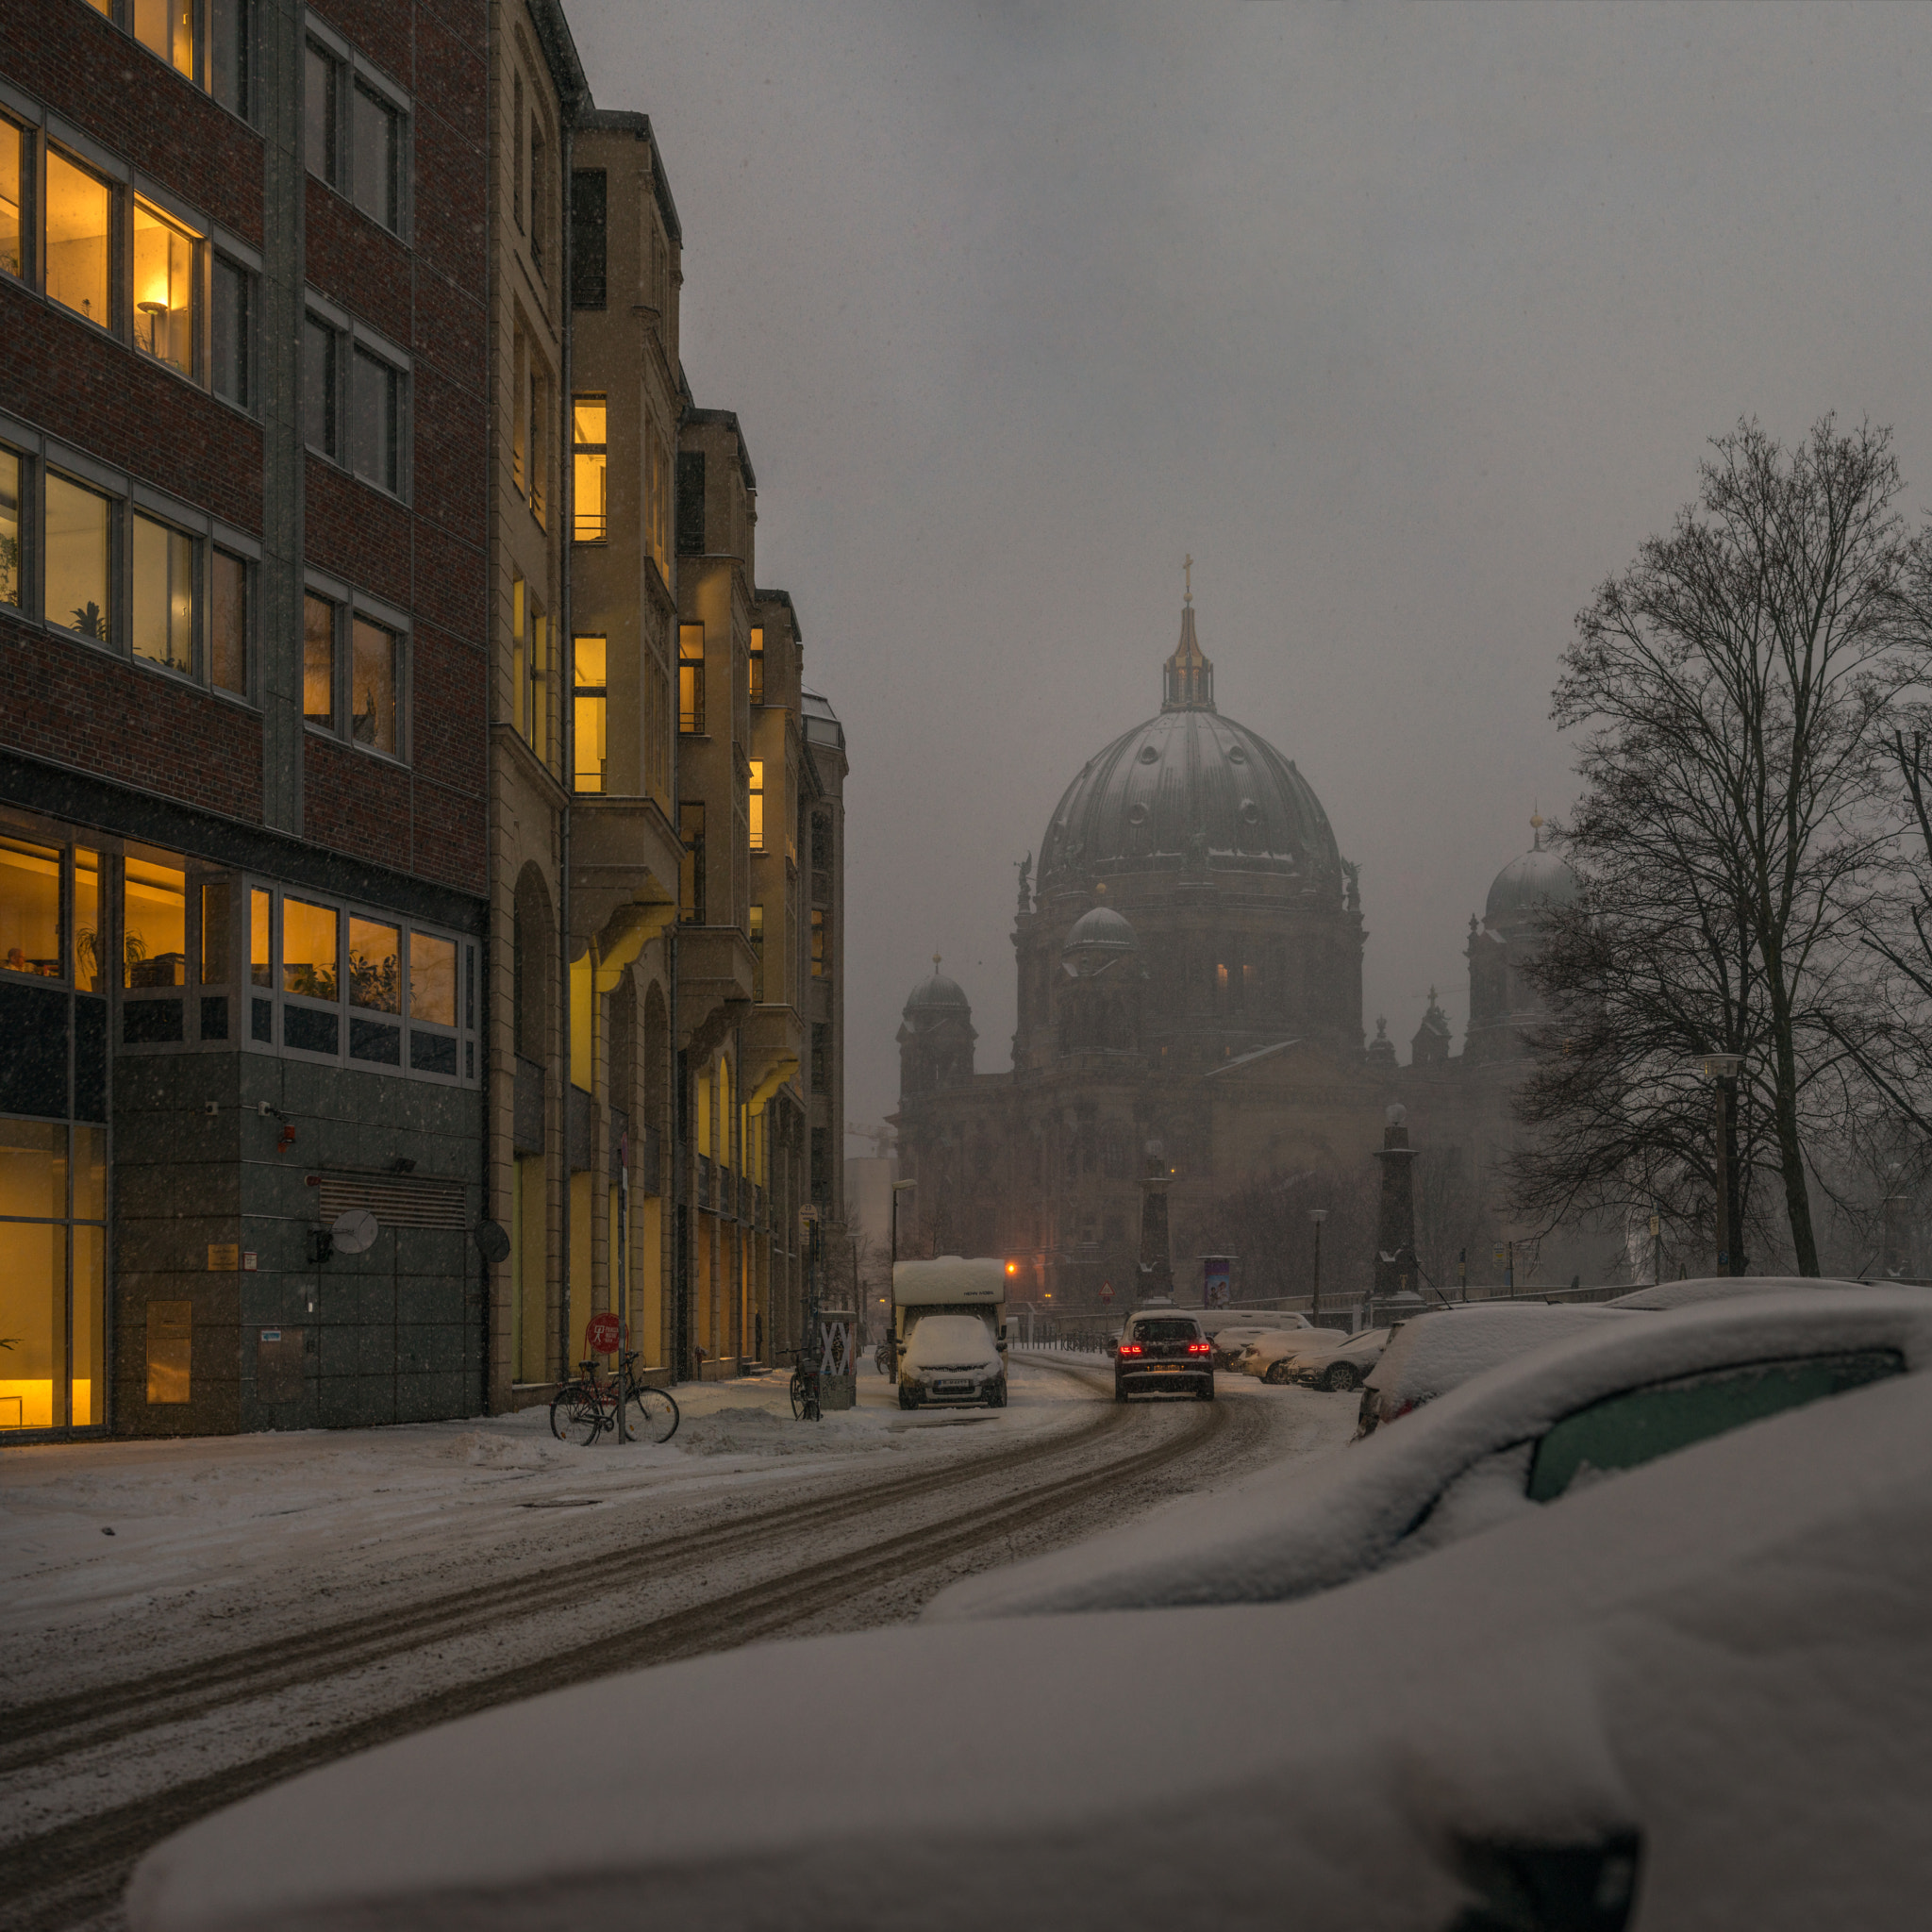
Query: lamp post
(893,1271)
(1318,1215)
(1721,1069)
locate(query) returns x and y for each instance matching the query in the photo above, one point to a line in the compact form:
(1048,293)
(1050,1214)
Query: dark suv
(1163,1349)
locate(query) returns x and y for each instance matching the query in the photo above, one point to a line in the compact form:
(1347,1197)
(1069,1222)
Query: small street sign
(1106,1291)
(603,1334)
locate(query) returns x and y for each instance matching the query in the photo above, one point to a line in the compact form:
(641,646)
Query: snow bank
(1725,1652)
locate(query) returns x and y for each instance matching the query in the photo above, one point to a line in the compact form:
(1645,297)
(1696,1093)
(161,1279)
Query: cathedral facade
(1190,966)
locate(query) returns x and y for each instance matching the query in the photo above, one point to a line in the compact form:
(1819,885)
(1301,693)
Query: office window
(757,934)
(519,656)
(78,558)
(154,925)
(90,966)
(374,703)
(320,144)
(161,582)
(230,50)
(755,806)
(432,979)
(229,323)
(518,421)
(516,143)
(79,221)
(375,985)
(164,281)
(30,908)
(691,869)
(690,679)
(13,174)
(657,503)
(588,199)
(319,661)
(165,27)
(229,622)
(374,420)
(589,656)
(590,420)
(321,349)
(537,712)
(539,440)
(757,666)
(260,911)
(10,586)
(818,944)
(309,950)
(691,503)
(375,166)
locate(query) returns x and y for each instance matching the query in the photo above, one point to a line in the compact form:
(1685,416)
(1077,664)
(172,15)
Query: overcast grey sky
(1409,323)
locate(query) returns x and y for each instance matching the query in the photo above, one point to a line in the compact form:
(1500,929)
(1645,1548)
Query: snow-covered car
(1695,1696)
(952,1358)
(1717,1287)
(1282,1344)
(1230,1337)
(1341,1366)
(1437,1351)
(1500,1447)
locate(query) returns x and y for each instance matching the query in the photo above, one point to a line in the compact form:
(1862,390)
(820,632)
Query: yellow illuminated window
(153,923)
(519,426)
(10,528)
(80,208)
(30,908)
(33,1311)
(690,679)
(75,563)
(375,970)
(590,475)
(163,577)
(373,709)
(756,805)
(757,667)
(319,661)
(309,950)
(261,959)
(163,289)
(432,979)
(589,695)
(12,166)
(89,973)
(167,26)
(90,1337)
(519,666)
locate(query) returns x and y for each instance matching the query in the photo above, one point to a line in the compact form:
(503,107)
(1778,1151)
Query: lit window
(757,667)
(319,113)
(80,208)
(374,169)
(535,723)
(519,425)
(10,528)
(374,708)
(261,908)
(309,950)
(589,658)
(690,870)
(161,579)
(79,533)
(432,979)
(375,970)
(319,661)
(229,622)
(163,289)
(590,475)
(165,27)
(229,323)
(320,350)
(90,972)
(519,657)
(13,152)
(154,925)
(756,805)
(374,412)
(690,679)
(30,908)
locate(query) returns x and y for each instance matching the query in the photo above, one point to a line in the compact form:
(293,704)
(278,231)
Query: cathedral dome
(933,998)
(1098,937)
(1188,783)
(1539,881)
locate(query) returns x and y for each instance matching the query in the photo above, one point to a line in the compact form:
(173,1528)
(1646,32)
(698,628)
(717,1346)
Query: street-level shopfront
(194,1059)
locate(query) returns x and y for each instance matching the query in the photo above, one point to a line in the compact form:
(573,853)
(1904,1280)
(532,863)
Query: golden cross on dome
(1188,577)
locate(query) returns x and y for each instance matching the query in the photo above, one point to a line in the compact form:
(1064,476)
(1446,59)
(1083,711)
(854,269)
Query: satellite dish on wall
(354,1231)
(493,1243)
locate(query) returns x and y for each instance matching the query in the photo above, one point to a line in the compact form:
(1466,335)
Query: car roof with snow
(1443,1347)
(1305,1528)
(1711,1654)
(1714,1288)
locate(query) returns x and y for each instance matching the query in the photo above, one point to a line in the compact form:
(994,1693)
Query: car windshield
(1165,1331)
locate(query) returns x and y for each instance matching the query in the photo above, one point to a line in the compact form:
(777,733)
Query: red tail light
(1200,1348)
(1130,1348)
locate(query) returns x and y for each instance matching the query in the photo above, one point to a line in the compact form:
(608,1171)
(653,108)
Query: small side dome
(1539,881)
(1098,937)
(936,998)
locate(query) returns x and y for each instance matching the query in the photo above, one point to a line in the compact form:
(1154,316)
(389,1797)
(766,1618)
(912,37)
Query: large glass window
(167,27)
(30,908)
(13,169)
(309,950)
(11,587)
(163,289)
(374,168)
(376,970)
(690,679)
(754,805)
(319,113)
(162,580)
(590,475)
(229,33)
(153,923)
(89,964)
(321,348)
(229,622)
(229,324)
(260,914)
(373,710)
(432,979)
(78,558)
(319,661)
(33,1272)
(591,749)
(81,210)
(374,419)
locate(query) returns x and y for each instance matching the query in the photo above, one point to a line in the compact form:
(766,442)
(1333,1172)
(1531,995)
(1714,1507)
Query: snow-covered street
(188,1622)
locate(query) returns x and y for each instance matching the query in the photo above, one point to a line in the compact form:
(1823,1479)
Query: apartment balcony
(624,853)
(716,973)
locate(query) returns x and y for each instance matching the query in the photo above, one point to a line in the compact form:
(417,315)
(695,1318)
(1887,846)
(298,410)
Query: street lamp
(1721,1069)
(1318,1215)
(892,1270)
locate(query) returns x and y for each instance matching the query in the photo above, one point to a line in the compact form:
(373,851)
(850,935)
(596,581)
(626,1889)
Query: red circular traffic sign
(603,1334)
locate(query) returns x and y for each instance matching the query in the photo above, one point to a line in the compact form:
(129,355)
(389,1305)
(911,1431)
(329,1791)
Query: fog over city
(1408,325)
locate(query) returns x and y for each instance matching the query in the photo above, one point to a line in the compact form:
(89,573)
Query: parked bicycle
(804,1392)
(583,1409)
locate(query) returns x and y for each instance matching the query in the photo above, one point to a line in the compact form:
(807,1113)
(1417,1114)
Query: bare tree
(1733,688)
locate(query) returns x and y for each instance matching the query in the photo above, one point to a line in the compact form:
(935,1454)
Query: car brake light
(1200,1348)
(1130,1348)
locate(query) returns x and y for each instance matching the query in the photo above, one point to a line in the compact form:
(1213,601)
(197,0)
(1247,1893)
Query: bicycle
(583,1409)
(805,1393)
